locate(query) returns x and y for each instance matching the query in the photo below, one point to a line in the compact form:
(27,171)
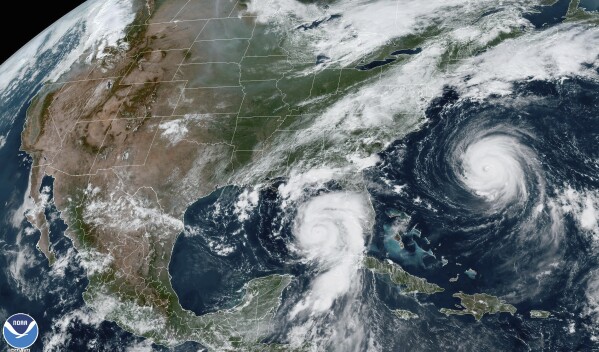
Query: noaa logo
(20,331)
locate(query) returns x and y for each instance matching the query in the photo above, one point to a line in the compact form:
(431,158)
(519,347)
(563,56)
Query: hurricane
(330,231)
(484,197)
(494,167)
(305,175)
(496,175)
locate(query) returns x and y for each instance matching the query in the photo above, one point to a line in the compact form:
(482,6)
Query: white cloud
(94,262)
(363,162)
(544,55)
(97,25)
(355,34)
(57,339)
(246,203)
(174,130)
(143,346)
(589,215)
(329,230)
(592,308)
(583,205)
(140,319)
(123,212)
(313,178)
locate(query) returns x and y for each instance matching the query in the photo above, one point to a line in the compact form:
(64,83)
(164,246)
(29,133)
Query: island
(405,314)
(471,273)
(409,283)
(540,314)
(478,305)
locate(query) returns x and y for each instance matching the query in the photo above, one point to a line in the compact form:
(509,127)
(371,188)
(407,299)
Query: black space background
(26,19)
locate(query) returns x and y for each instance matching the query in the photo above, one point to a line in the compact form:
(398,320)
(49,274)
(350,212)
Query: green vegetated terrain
(408,283)
(236,84)
(478,305)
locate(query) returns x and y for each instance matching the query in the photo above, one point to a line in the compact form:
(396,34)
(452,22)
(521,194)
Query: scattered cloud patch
(246,203)
(174,130)
(583,206)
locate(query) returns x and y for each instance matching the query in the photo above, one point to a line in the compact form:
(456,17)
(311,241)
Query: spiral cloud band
(497,165)
(492,168)
(329,230)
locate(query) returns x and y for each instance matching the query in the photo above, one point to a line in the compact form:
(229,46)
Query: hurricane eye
(494,168)
(329,230)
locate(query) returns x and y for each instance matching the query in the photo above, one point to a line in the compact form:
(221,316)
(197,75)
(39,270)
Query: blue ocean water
(217,254)
(435,228)
(444,223)
(589,5)
(549,15)
(510,248)
(27,282)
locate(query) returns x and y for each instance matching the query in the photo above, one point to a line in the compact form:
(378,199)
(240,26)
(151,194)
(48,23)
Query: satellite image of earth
(304,175)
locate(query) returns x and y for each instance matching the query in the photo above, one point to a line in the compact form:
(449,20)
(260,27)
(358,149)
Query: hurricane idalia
(330,232)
